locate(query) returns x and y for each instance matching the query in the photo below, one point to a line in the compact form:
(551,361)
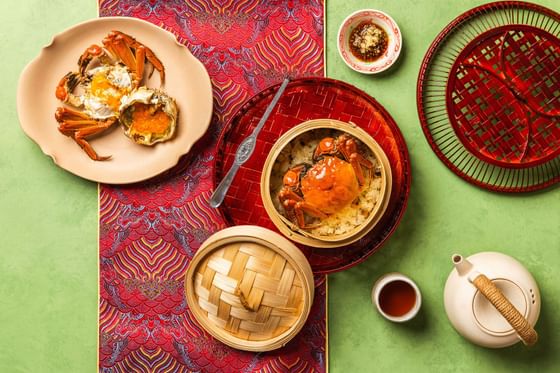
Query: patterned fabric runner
(150,231)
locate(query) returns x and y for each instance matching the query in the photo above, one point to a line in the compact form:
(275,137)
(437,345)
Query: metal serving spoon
(245,151)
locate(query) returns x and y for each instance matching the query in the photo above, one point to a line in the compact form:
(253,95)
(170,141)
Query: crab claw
(66,86)
(93,51)
(327,146)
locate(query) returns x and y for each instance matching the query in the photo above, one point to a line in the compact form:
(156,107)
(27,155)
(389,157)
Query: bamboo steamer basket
(250,288)
(292,230)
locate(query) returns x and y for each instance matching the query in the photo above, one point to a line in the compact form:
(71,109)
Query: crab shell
(330,185)
(148,116)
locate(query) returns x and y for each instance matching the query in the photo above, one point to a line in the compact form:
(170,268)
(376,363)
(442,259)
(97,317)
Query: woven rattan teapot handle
(525,331)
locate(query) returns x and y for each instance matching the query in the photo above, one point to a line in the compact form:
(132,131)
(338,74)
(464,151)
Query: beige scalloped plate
(186,80)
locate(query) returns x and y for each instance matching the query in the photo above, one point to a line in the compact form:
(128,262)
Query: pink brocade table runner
(150,231)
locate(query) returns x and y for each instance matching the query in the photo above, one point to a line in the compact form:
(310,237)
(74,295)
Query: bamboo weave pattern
(249,290)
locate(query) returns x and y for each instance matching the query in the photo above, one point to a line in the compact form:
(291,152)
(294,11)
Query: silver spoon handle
(220,192)
(245,150)
(270,107)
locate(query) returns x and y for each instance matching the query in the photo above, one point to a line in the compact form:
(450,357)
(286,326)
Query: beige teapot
(492,300)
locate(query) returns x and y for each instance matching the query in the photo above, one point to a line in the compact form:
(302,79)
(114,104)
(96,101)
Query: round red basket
(489,96)
(306,99)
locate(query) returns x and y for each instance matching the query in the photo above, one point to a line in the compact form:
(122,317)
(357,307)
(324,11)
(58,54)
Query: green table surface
(48,225)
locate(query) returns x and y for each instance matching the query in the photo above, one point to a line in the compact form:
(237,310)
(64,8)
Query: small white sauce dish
(384,21)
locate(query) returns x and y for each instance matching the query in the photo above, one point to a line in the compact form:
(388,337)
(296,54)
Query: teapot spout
(462,265)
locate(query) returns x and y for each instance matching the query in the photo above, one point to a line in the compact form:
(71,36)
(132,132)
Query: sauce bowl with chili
(396,297)
(369,41)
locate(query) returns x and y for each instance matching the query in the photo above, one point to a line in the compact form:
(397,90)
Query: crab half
(148,116)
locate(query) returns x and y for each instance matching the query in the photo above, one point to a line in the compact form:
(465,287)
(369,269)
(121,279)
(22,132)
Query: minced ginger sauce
(368,41)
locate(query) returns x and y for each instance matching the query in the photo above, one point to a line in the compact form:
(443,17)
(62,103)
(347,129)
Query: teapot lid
(489,318)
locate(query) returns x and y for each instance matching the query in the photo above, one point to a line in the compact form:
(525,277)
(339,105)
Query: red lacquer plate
(306,99)
(489,96)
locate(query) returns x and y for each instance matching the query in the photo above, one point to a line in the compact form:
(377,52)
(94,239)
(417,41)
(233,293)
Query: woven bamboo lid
(250,288)
(314,129)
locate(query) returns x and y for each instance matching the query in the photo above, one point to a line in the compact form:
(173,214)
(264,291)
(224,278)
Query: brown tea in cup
(396,297)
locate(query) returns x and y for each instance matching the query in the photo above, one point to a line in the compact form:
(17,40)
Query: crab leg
(124,53)
(140,57)
(288,198)
(350,148)
(349,151)
(295,206)
(108,44)
(63,113)
(357,168)
(80,135)
(150,56)
(118,45)
(289,208)
(301,207)
(79,126)
(287,195)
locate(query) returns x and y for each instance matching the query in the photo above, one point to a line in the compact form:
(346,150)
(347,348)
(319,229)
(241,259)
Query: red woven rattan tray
(306,99)
(489,96)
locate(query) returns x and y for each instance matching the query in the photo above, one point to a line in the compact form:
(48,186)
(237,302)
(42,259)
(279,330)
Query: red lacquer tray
(489,96)
(306,99)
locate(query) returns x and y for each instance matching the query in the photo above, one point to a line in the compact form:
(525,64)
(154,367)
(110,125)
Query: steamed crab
(106,85)
(331,183)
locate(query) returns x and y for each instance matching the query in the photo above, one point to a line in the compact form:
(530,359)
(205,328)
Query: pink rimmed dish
(187,82)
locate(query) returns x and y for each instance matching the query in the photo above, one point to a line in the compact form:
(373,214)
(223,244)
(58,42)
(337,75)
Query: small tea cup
(396,297)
